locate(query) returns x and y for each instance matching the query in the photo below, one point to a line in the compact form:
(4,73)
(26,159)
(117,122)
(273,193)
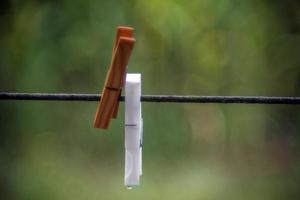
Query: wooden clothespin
(122,31)
(108,106)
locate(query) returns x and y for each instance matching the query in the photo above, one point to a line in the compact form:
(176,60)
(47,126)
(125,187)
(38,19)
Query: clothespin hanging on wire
(109,103)
(133,130)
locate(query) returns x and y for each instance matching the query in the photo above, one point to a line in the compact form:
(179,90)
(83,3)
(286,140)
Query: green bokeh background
(49,150)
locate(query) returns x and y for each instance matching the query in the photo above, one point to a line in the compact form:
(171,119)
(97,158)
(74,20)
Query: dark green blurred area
(49,150)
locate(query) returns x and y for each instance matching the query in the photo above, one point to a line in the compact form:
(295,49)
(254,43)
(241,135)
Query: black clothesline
(154,98)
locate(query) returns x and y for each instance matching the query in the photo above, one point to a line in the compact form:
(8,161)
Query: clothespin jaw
(115,77)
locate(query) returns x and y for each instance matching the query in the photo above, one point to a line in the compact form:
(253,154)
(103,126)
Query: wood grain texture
(114,82)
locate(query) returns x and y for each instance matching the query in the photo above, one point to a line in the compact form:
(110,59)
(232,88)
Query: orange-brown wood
(114,81)
(122,31)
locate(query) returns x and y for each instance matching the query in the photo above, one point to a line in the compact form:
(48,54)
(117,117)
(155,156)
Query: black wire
(49,96)
(153,98)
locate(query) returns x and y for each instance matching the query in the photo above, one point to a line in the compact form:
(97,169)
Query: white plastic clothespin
(133,130)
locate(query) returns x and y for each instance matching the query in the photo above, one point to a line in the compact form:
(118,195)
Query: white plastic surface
(133,130)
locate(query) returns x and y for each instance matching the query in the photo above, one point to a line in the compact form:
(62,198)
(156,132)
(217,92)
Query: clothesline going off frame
(154,98)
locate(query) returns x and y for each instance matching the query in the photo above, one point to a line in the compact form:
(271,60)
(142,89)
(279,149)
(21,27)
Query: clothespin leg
(133,130)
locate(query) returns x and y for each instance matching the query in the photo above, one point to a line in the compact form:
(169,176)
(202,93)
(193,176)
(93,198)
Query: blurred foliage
(49,150)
